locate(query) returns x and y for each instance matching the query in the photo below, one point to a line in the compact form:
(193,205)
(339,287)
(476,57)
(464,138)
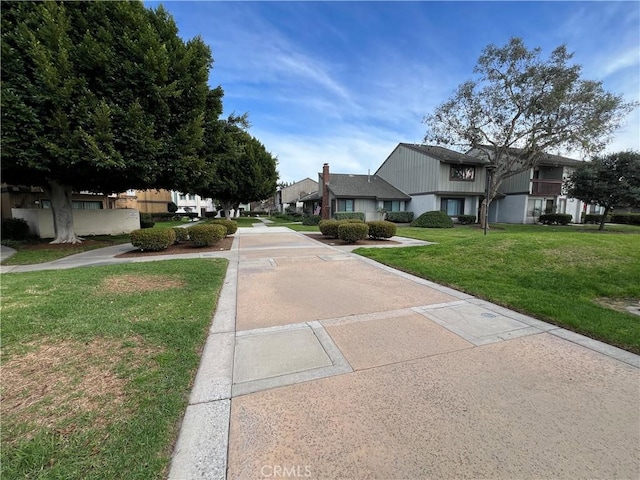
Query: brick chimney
(326,210)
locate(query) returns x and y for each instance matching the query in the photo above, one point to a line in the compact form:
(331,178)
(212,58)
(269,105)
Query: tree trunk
(62,210)
(604,217)
(483,214)
(226,209)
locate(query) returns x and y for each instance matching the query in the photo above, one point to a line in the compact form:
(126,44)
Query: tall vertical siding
(414,172)
(410,171)
(517,183)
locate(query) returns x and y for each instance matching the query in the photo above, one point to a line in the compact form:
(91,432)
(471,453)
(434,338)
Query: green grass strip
(97,366)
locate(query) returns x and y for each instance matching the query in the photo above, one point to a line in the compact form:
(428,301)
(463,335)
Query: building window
(346,205)
(462,173)
(452,206)
(392,205)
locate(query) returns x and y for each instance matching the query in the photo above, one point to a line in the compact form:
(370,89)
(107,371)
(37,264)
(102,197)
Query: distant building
(290,196)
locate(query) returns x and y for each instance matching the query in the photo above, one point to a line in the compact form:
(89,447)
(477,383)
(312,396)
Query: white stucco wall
(422,203)
(510,209)
(86,222)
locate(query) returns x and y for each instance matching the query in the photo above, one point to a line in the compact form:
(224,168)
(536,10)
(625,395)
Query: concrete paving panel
(279,240)
(334,289)
(534,407)
(277,353)
(477,324)
(378,342)
(281,253)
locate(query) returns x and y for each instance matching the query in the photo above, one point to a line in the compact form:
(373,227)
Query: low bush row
(466,219)
(375,229)
(555,218)
(626,218)
(311,220)
(201,235)
(349,216)
(400,217)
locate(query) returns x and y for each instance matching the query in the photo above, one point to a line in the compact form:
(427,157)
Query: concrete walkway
(322,364)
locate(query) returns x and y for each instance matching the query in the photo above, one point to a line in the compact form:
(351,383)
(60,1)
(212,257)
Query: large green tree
(611,181)
(99,96)
(241,169)
(520,106)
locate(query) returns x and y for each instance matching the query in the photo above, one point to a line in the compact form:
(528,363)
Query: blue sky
(345,82)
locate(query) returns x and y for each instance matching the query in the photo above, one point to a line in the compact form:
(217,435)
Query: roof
(546,159)
(364,186)
(310,197)
(444,155)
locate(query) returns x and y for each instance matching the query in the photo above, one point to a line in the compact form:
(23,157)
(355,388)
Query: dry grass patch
(55,382)
(625,305)
(139,283)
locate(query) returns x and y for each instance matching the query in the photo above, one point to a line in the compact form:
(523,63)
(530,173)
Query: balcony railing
(546,187)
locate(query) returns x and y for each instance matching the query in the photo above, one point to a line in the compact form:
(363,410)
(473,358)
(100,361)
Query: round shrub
(153,239)
(182,234)
(207,234)
(311,220)
(14,229)
(351,220)
(329,228)
(230,225)
(435,219)
(381,229)
(352,232)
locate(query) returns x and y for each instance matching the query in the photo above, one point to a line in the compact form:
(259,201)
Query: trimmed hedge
(352,232)
(379,229)
(210,214)
(592,218)
(207,234)
(182,234)
(400,217)
(626,218)
(466,219)
(230,225)
(433,219)
(349,215)
(555,218)
(146,221)
(311,220)
(329,228)
(153,239)
(15,229)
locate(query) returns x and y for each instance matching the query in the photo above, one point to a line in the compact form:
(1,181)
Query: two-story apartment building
(436,178)
(523,197)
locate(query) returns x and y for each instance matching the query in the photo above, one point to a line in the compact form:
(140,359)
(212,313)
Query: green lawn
(40,251)
(552,273)
(246,221)
(98,364)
